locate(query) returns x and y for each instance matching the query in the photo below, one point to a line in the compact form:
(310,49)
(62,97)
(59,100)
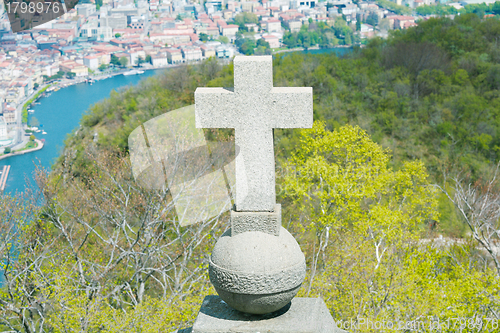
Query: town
(95,40)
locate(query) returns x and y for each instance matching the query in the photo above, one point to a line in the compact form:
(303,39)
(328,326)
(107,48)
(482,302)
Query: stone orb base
(256,272)
(257,304)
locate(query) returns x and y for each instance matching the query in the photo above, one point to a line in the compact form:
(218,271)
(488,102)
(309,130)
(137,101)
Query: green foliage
(321,34)
(123,61)
(6,150)
(242,18)
(32,137)
(438,9)
(392,6)
(139,61)
(341,181)
(118,35)
(24,113)
(114,60)
(103,67)
(223,39)
(57,76)
(203,37)
(390,119)
(359,221)
(246,45)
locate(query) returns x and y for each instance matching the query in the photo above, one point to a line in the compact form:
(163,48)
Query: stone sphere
(256,272)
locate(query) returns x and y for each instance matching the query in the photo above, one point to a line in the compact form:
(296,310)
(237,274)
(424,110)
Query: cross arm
(292,107)
(214,108)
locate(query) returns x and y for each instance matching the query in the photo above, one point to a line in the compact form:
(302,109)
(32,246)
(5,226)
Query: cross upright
(254,108)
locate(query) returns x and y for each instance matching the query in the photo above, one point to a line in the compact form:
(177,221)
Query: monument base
(301,315)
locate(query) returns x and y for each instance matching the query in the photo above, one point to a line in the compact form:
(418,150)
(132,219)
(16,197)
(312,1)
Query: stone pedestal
(301,315)
(257,266)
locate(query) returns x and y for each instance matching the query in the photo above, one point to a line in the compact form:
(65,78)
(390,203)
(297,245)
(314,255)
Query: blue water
(59,114)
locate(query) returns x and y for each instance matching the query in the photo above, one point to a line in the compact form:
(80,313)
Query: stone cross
(254,108)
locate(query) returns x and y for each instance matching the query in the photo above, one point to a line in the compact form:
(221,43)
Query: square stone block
(268,222)
(302,315)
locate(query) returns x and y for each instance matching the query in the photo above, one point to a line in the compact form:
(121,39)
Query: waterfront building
(274,42)
(4,139)
(159,60)
(9,115)
(174,56)
(191,53)
(207,51)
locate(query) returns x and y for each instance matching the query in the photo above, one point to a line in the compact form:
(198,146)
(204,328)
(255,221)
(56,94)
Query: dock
(3,177)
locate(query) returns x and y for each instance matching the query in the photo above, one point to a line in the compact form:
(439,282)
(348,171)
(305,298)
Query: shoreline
(63,83)
(22,152)
(297,49)
(69,82)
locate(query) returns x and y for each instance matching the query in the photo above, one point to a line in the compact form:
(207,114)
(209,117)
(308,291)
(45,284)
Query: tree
(6,150)
(123,61)
(210,68)
(384,24)
(32,137)
(290,39)
(340,184)
(224,39)
(118,35)
(102,253)
(248,46)
(139,61)
(243,18)
(358,25)
(36,85)
(103,67)
(478,204)
(372,19)
(148,58)
(114,60)
(203,37)
(70,75)
(359,222)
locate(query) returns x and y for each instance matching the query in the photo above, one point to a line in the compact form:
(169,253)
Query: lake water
(60,113)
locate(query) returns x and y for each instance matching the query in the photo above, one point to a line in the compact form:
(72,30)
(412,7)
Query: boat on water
(133,72)
(31,111)
(38,131)
(43,132)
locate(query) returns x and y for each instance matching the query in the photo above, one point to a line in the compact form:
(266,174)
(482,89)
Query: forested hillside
(391,121)
(429,93)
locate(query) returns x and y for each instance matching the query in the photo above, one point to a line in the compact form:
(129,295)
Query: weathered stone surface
(302,315)
(253,108)
(257,283)
(253,268)
(268,222)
